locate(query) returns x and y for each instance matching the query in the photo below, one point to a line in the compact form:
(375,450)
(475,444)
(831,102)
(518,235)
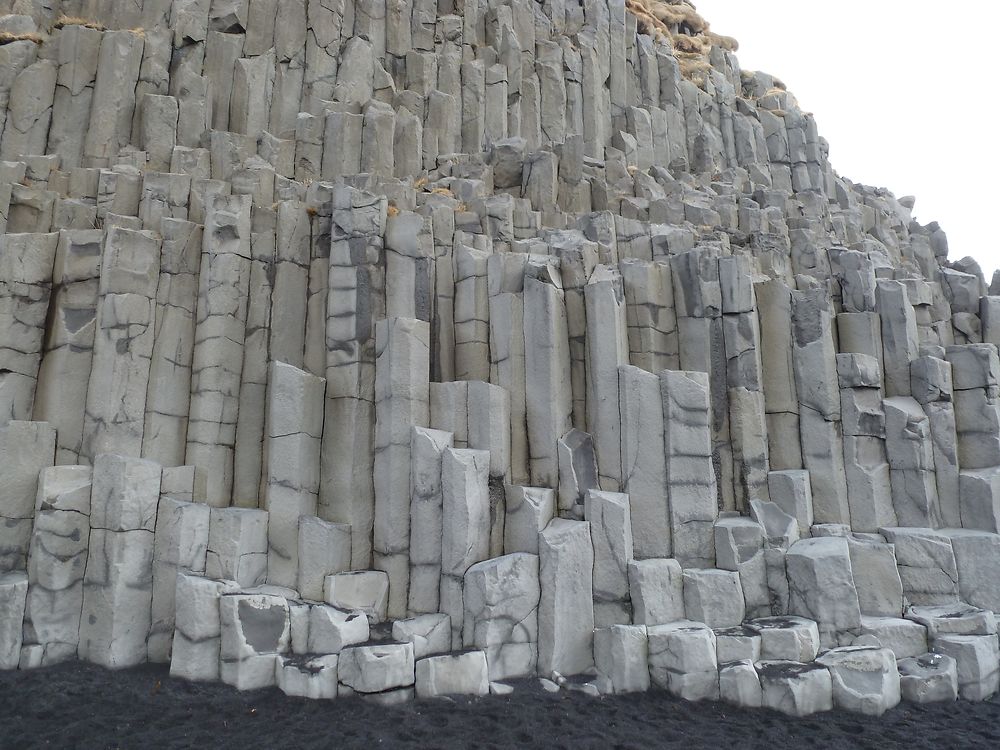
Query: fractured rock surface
(402,349)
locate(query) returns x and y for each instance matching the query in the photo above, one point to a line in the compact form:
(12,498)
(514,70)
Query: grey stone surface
(621,654)
(656,588)
(682,660)
(566,606)
(865,680)
(794,639)
(976,658)
(821,587)
(795,689)
(929,678)
(506,321)
(378,668)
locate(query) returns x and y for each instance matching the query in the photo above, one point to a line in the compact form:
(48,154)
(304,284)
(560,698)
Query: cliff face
(544,319)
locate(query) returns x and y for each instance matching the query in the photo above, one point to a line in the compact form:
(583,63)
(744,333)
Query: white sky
(904,90)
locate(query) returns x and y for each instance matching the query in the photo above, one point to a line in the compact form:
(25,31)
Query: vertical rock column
(57,560)
(818,389)
(698,297)
(869,491)
(566,606)
(118,585)
(547,375)
(781,403)
(168,397)
(507,369)
(291,465)
(123,346)
(290,293)
(79,52)
(472,315)
(356,300)
(258,352)
(911,462)
(976,375)
(611,537)
(644,462)
(113,103)
(427,449)
(180,547)
(13,593)
(900,338)
(217,364)
(26,262)
(607,349)
(577,261)
(25,449)
(687,438)
(409,268)
(402,401)
(747,422)
(64,375)
(465,534)
(316,256)
(652,322)
(932,386)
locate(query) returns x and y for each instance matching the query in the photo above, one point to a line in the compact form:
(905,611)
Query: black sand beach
(83,706)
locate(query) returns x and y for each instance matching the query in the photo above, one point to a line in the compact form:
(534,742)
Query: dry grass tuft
(421,181)
(678,23)
(392,210)
(63,21)
(7,38)
(691,67)
(728,43)
(442,191)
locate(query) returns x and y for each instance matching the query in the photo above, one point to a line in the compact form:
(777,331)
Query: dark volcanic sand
(82,706)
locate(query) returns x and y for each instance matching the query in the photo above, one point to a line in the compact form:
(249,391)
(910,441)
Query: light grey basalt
(405,351)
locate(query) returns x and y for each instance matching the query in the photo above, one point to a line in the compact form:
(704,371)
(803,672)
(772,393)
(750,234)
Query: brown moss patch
(7,38)
(63,21)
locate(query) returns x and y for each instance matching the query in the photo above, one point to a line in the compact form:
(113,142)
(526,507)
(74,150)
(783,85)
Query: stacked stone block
(502,322)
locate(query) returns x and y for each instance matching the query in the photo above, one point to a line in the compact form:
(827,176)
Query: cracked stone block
(682,660)
(739,643)
(363,590)
(739,684)
(953,619)
(656,588)
(377,668)
(905,638)
(621,653)
(794,639)
(978,661)
(928,678)
(300,677)
(501,613)
(255,629)
(795,689)
(865,680)
(452,674)
(332,629)
(429,634)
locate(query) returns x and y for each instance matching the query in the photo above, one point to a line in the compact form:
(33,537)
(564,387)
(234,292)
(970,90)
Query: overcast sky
(905,91)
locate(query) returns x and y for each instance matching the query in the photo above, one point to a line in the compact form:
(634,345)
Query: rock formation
(400,347)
